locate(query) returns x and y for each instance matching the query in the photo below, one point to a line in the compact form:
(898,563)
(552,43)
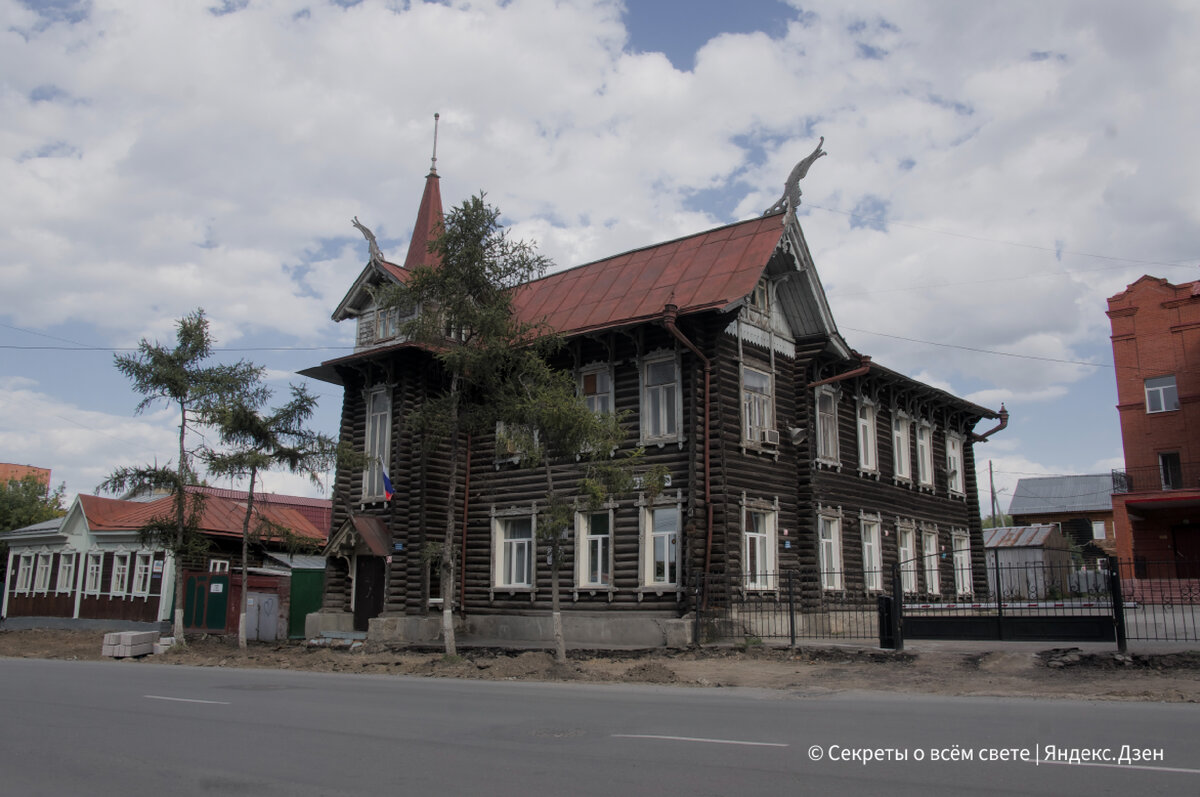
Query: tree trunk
(180,509)
(556,548)
(245,555)
(447,563)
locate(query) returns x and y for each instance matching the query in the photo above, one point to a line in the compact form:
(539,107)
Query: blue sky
(994,173)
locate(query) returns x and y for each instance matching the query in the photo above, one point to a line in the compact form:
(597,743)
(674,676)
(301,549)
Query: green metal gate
(308,589)
(205,601)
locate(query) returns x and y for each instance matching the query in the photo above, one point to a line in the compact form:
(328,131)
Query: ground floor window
(829,537)
(141,574)
(962,563)
(758,552)
(95,567)
(593,561)
(908,557)
(929,556)
(66,572)
(25,572)
(514,546)
(120,574)
(41,582)
(660,546)
(872,554)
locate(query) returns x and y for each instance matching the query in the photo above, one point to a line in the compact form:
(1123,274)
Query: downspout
(864,367)
(670,313)
(462,562)
(980,438)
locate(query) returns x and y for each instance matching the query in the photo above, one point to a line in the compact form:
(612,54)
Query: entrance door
(368,590)
(1186,542)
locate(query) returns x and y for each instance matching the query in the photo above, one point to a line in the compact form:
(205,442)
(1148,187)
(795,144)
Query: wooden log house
(787,450)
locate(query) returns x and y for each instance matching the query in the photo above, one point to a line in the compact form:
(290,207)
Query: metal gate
(205,601)
(262,616)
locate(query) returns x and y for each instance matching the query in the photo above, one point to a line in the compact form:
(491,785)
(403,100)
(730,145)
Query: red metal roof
(428,226)
(222,516)
(700,272)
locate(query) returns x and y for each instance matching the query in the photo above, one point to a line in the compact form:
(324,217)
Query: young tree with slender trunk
(180,377)
(465,318)
(256,442)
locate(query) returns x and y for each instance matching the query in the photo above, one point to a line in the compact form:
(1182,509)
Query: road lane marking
(186,700)
(695,739)
(1123,766)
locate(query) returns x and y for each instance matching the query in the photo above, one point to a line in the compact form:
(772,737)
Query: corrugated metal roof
(298,561)
(222,516)
(1048,494)
(708,270)
(1020,536)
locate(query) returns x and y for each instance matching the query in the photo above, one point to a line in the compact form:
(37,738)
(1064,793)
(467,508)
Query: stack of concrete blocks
(125,644)
(163,645)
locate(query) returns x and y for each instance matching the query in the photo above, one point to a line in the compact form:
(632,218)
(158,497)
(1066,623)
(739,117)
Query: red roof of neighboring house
(699,272)
(222,516)
(319,511)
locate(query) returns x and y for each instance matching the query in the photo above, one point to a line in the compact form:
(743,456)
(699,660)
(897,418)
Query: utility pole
(992,484)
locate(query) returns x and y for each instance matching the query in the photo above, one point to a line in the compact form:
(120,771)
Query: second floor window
(375,448)
(868,449)
(660,399)
(758,407)
(1161,394)
(596,388)
(902,446)
(955,479)
(925,454)
(827,427)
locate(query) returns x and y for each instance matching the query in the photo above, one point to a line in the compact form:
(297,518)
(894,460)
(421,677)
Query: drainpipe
(462,561)
(670,313)
(980,438)
(864,367)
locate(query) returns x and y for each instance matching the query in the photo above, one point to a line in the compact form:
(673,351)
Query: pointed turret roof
(429,216)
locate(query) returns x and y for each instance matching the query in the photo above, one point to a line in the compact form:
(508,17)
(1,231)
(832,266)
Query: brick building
(1156,498)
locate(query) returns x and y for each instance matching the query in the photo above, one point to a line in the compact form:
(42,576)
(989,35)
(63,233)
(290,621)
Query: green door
(308,593)
(205,601)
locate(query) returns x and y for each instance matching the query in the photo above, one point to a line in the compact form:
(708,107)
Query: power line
(982,351)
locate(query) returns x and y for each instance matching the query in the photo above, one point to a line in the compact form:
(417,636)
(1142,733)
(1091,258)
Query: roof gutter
(864,367)
(670,314)
(981,438)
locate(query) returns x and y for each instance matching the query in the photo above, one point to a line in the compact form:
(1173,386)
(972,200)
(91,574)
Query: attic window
(387,320)
(760,298)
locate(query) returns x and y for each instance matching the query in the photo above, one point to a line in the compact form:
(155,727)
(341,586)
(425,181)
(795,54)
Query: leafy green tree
(181,377)
(465,318)
(26,501)
(256,442)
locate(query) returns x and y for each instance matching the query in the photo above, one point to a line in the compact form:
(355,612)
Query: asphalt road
(133,729)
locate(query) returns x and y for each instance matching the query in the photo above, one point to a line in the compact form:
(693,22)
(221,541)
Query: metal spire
(433,166)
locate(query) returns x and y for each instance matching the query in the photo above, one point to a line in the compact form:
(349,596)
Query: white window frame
(94,573)
(662,403)
(1099,530)
(590,546)
(514,546)
(377,442)
(925,454)
(218,566)
(961,543)
(827,426)
(41,578)
(1162,394)
(906,540)
(760,547)
(829,550)
(143,566)
(930,553)
(661,527)
(66,572)
(601,400)
(119,583)
(25,573)
(758,405)
(868,436)
(956,478)
(387,323)
(872,552)
(901,446)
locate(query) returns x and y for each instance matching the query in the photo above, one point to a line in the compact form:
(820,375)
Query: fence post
(791,602)
(699,587)
(999,596)
(1118,601)
(897,617)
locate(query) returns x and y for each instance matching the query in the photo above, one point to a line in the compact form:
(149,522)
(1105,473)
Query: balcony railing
(1170,476)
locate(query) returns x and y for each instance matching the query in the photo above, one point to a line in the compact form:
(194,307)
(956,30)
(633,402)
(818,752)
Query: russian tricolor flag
(388,492)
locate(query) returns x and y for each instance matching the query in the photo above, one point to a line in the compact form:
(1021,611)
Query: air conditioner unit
(770,436)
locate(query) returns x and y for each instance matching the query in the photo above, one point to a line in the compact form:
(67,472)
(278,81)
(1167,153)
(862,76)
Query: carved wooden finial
(791,188)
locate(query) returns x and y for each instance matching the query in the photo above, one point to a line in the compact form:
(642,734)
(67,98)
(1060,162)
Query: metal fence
(1057,598)
(1161,599)
(782,606)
